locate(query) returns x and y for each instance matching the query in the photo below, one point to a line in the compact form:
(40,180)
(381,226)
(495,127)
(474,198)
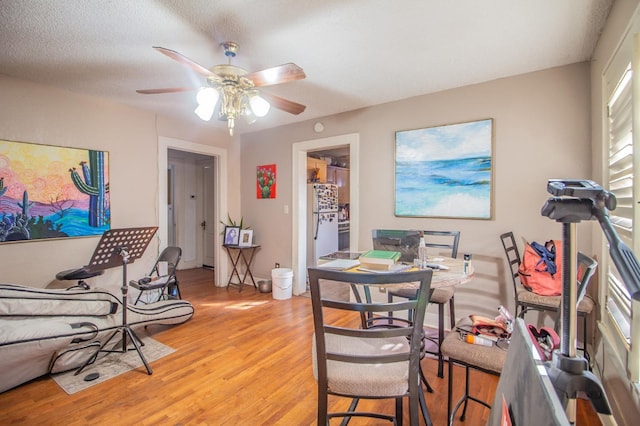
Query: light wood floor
(244,359)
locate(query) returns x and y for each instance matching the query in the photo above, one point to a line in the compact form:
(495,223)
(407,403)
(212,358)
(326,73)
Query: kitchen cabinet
(339,176)
(314,164)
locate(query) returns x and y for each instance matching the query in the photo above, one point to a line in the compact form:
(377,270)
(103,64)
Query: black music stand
(120,247)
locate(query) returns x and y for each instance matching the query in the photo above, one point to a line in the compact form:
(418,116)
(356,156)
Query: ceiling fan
(236,88)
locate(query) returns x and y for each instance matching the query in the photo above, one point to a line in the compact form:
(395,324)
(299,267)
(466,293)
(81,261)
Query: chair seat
(483,357)
(406,292)
(152,285)
(442,295)
(527,297)
(375,380)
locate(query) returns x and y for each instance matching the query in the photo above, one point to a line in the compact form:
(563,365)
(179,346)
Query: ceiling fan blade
(283,104)
(184,61)
(167,90)
(276,75)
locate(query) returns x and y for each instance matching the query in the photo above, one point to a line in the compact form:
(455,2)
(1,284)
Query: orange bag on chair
(541,268)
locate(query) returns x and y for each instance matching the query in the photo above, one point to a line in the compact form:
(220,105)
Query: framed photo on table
(246,238)
(231,235)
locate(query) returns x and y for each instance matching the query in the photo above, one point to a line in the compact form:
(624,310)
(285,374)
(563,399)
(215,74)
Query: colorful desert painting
(52,192)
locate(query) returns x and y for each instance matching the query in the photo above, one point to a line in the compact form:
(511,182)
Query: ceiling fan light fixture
(248,114)
(207,98)
(259,105)
(232,91)
(204,112)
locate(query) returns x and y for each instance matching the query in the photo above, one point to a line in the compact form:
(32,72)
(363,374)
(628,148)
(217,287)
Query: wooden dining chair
(357,362)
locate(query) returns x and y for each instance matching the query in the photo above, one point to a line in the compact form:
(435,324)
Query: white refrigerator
(322,224)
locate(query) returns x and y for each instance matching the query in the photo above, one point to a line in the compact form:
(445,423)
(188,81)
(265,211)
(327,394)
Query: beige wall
(542,131)
(44,115)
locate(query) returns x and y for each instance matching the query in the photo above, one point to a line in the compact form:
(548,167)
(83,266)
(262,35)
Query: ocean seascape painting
(445,171)
(52,192)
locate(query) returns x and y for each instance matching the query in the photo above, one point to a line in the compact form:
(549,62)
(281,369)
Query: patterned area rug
(110,365)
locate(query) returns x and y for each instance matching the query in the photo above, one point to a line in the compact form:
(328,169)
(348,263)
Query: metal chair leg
(352,407)
(452,312)
(423,408)
(399,419)
(450,393)
(440,340)
(451,412)
(466,393)
(425,381)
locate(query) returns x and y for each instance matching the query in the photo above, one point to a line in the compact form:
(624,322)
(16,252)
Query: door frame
(220,161)
(208,191)
(299,199)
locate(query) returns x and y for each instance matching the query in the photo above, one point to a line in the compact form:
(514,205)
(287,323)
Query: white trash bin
(282,280)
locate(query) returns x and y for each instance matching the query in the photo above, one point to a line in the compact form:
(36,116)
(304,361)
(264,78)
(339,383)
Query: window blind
(621,184)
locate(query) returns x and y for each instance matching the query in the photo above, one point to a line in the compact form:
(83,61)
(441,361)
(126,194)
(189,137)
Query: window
(622,157)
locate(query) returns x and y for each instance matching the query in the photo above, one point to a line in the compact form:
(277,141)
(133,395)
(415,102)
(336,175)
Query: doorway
(191,207)
(331,166)
(299,213)
(217,176)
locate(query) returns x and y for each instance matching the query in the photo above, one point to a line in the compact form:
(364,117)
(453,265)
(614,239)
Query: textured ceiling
(356,53)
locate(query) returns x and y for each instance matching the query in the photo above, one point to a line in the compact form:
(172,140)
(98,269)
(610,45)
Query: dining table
(455,275)
(447,271)
(452,272)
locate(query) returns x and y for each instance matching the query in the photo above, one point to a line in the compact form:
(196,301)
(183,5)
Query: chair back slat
(512,254)
(400,240)
(438,236)
(406,241)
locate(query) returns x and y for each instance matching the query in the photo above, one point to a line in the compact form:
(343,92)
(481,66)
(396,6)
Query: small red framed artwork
(266,181)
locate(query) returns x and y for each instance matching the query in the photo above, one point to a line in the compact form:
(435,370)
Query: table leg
(248,265)
(234,264)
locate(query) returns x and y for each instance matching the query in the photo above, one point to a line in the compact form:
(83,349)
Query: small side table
(241,255)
